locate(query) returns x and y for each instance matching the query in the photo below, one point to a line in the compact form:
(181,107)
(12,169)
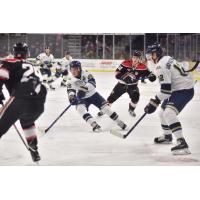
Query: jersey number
(180,69)
(161,78)
(29,70)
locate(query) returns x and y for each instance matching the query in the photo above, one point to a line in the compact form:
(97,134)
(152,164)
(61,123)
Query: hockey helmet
(156,47)
(75,64)
(137,53)
(20,50)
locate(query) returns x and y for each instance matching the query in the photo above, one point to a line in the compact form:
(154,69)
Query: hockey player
(128,74)
(176,90)
(45,60)
(27,96)
(63,68)
(81,92)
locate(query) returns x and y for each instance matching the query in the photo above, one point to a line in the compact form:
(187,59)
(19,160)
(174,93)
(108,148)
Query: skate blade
(163,142)
(185,151)
(117,133)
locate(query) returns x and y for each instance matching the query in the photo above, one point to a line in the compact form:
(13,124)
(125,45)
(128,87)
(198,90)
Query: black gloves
(152,77)
(72,99)
(128,79)
(152,105)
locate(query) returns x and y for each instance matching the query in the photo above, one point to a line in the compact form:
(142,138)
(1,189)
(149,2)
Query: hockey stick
(25,144)
(194,67)
(118,134)
(51,125)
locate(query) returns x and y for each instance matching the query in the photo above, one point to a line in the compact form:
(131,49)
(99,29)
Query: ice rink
(72,142)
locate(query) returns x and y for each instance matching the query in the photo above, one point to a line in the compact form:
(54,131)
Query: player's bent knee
(161,113)
(135,97)
(170,115)
(81,109)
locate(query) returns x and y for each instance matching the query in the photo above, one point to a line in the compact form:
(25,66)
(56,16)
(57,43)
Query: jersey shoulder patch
(127,63)
(141,66)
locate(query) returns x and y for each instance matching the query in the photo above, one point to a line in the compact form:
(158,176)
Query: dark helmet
(20,50)
(75,64)
(137,53)
(156,47)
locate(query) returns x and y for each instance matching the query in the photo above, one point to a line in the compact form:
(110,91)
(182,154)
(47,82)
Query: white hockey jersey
(86,80)
(65,63)
(172,77)
(43,58)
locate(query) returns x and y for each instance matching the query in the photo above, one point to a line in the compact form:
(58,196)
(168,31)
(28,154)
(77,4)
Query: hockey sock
(172,120)
(132,106)
(30,133)
(164,125)
(176,129)
(113,115)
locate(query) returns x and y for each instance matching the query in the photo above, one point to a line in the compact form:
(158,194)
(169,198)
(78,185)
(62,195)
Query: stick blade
(117,133)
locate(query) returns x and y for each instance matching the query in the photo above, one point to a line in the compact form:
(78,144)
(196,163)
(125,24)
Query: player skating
(46,60)
(62,69)
(27,96)
(81,92)
(176,90)
(128,74)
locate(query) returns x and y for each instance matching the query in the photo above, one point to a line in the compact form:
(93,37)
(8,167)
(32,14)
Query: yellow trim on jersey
(173,108)
(166,91)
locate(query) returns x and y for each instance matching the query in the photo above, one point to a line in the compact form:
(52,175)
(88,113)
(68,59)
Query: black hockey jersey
(126,68)
(20,78)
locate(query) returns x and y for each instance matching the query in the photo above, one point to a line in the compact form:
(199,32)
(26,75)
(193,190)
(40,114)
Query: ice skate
(181,148)
(164,139)
(96,127)
(132,113)
(34,150)
(100,114)
(121,125)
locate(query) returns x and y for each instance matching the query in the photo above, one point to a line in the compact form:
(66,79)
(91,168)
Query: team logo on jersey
(158,67)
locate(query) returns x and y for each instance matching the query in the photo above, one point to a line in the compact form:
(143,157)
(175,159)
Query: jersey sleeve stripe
(166,91)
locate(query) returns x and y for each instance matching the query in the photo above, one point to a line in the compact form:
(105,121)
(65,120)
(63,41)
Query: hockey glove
(152,105)
(49,65)
(152,77)
(72,99)
(1,97)
(128,79)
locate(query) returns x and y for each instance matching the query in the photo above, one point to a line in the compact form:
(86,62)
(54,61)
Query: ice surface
(72,142)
